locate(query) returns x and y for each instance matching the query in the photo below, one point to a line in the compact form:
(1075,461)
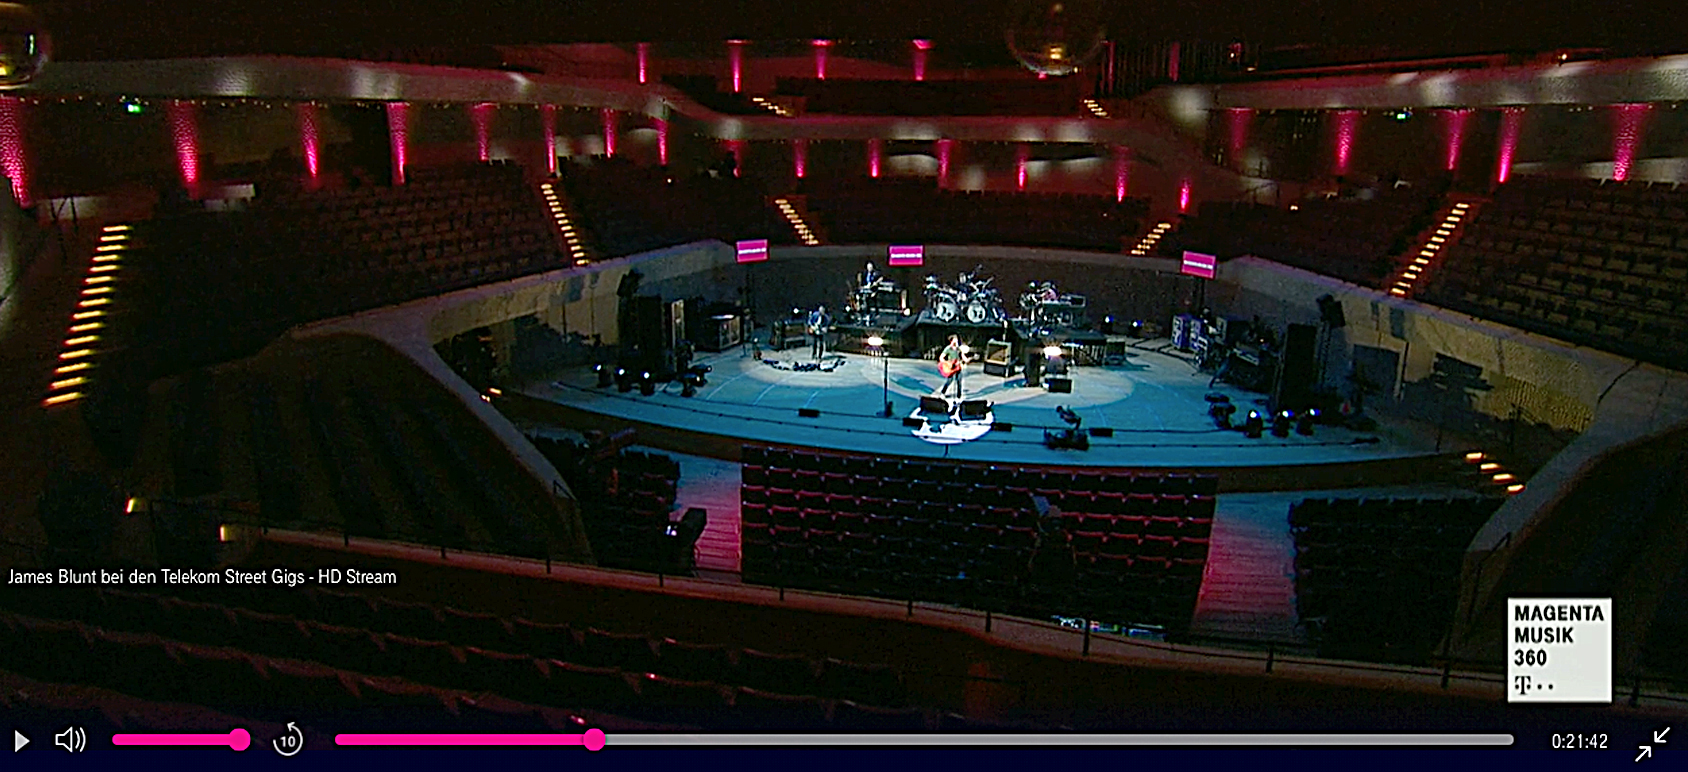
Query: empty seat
(573,685)
(694,662)
(771,711)
(517,676)
(545,640)
(872,684)
(630,652)
(781,673)
(487,631)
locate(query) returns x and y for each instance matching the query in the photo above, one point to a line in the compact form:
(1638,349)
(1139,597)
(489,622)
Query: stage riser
(1407,470)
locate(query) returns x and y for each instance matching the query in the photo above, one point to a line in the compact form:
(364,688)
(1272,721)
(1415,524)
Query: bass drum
(978,312)
(946,308)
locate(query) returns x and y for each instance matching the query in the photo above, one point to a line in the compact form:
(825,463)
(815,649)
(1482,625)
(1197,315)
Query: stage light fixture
(647,387)
(1304,423)
(1255,424)
(1281,423)
(605,377)
(623,381)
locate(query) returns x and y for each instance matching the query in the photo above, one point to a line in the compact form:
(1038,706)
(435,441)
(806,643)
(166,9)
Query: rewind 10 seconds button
(1559,650)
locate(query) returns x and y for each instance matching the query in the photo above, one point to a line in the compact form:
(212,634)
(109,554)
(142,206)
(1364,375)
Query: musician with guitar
(951,362)
(820,322)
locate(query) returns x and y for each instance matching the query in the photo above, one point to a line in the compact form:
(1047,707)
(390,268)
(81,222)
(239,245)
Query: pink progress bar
(593,739)
(237,739)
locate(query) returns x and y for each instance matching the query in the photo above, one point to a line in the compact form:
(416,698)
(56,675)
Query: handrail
(1270,656)
(1477,580)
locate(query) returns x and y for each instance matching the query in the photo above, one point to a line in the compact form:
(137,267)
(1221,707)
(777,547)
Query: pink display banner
(1198,264)
(906,255)
(754,251)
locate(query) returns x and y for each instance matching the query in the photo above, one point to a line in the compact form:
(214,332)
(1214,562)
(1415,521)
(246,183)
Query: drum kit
(972,300)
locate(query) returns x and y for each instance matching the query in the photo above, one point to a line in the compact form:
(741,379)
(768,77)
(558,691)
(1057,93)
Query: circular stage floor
(1154,404)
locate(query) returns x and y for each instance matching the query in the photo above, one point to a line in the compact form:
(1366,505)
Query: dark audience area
(1376,579)
(1354,239)
(627,504)
(1115,546)
(1593,262)
(917,211)
(1021,97)
(326,658)
(205,280)
(627,208)
(706,90)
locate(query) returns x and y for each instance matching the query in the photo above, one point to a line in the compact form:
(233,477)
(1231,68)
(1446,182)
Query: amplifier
(720,333)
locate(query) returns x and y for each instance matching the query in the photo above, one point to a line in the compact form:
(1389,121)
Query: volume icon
(73,739)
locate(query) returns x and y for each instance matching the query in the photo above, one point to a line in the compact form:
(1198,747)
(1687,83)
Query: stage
(1151,411)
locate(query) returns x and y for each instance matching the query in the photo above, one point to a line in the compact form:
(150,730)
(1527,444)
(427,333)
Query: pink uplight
(643,52)
(1511,122)
(661,141)
(1347,122)
(1022,154)
(480,116)
(821,47)
(12,156)
(800,157)
(735,60)
(1122,172)
(1184,197)
(736,147)
(946,150)
(548,126)
(920,49)
(1626,137)
(875,154)
(1237,121)
(308,141)
(184,134)
(609,131)
(1453,130)
(398,130)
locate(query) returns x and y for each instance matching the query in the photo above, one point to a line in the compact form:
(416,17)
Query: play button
(18,741)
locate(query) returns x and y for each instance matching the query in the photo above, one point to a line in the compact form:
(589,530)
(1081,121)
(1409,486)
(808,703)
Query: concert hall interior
(1001,366)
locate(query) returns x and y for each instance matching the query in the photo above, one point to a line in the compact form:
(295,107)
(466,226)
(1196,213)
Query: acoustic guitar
(949,367)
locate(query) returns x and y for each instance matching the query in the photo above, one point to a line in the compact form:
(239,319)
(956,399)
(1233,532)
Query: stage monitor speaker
(975,408)
(931,404)
(998,426)
(1330,310)
(914,422)
(1101,431)
(1298,369)
(1059,385)
(808,412)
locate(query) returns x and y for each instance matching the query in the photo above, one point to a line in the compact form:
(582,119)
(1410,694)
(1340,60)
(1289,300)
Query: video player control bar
(1036,740)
